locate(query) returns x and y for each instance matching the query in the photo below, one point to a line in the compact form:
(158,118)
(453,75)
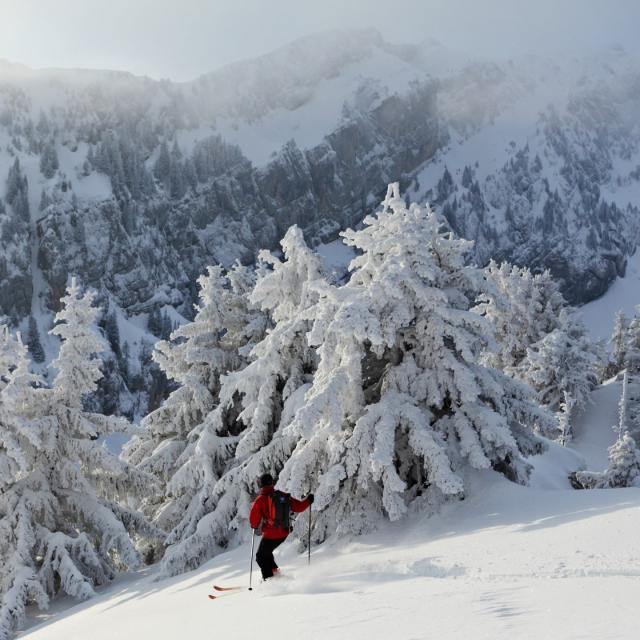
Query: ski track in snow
(531,562)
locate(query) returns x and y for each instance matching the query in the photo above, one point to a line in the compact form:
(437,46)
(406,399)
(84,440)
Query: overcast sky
(180,39)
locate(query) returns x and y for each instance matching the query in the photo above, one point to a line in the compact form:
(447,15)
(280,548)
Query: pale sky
(181,39)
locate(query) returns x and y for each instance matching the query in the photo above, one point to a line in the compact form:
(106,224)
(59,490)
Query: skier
(271,511)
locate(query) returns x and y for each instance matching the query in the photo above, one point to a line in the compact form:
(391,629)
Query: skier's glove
(310,498)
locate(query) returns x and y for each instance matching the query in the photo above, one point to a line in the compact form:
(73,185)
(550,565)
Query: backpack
(282,518)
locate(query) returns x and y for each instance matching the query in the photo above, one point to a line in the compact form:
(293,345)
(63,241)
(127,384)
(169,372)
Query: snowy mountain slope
(507,560)
(538,183)
(624,294)
(594,426)
(137,185)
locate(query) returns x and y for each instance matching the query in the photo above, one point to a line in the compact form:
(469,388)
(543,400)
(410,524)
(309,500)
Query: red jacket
(263,511)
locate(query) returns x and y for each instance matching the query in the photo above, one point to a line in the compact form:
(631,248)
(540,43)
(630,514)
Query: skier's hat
(266,480)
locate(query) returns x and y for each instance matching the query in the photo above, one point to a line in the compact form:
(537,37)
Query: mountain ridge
(136,185)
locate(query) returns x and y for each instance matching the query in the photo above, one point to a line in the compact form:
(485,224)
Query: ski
(217,588)
(229,592)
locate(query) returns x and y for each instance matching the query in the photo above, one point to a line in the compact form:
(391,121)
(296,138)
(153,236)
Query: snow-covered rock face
(542,163)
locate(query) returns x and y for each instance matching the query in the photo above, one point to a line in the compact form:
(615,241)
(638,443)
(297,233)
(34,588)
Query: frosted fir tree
(618,342)
(565,430)
(104,482)
(522,308)
(632,356)
(624,456)
(23,436)
(624,464)
(632,368)
(49,163)
(371,393)
(225,328)
(241,437)
(400,406)
(563,368)
(33,342)
(64,522)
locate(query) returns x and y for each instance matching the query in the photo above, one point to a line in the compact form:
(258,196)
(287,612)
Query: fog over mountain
(165,39)
(136,185)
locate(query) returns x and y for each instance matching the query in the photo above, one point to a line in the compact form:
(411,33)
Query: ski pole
(309,539)
(253,542)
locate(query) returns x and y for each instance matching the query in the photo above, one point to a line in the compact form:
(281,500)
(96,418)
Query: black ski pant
(264,557)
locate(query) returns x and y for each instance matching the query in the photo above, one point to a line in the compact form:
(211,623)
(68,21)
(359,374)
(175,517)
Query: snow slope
(624,294)
(509,561)
(594,426)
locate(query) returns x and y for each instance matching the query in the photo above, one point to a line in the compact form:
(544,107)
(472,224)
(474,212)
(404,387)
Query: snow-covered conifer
(400,405)
(633,345)
(49,160)
(45,201)
(162,166)
(522,308)
(624,455)
(22,435)
(236,440)
(33,341)
(624,463)
(98,481)
(623,469)
(563,368)
(225,328)
(64,524)
(370,393)
(618,343)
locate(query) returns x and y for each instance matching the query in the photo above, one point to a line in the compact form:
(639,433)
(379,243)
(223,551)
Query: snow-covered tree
(17,191)
(371,393)
(400,405)
(254,403)
(225,328)
(540,342)
(49,160)
(33,341)
(624,455)
(64,522)
(618,343)
(23,434)
(522,308)
(45,200)
(624,464)
(623,469)
(563,368)
(633,345)
(162,166)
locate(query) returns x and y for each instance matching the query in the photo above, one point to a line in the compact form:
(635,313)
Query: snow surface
(623,294)
(320,107)
(594,426)
(336,257)
(509,561)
